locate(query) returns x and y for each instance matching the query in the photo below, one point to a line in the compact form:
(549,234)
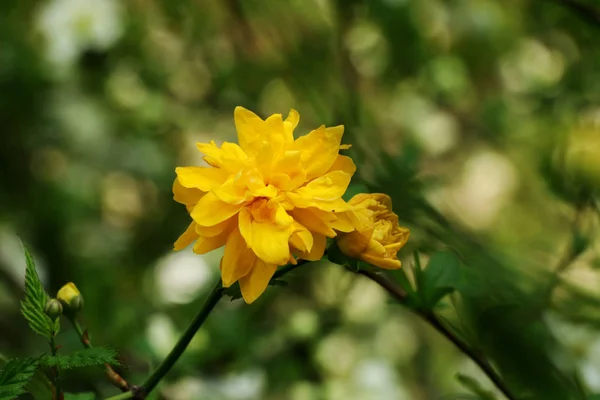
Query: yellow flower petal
(186,196)
(301,239)
(269,191)
(342,223)
(315,220)
(232,192)
(204,244)
(377,237)
(318,248)
(203,178)
(245,225)
(319,149)
(256,282)
(345,146)
(343,163)
(211,211)
(329,187)
(249,127)
(186,237)
(237,260)
(291,122)
(212,153)
(381,262)
(270,242)
(276,133)
(215,230)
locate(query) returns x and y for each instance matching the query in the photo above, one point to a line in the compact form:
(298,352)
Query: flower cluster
(274,199)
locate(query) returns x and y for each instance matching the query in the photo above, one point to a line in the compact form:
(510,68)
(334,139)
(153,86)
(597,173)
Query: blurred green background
(479,117)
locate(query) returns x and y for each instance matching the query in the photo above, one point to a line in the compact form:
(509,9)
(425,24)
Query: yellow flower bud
(69,295)
(377,237)
(53,309)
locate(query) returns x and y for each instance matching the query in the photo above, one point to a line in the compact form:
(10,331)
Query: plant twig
(116,379)
(185,339)
(214,297)
(399,294)
(58,395)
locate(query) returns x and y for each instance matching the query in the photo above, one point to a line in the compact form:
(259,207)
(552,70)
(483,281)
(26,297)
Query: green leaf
(40,386)
(80,396)
(474,386)
(441,277)
(35,301)
(233,291)
(412,298)
(82,358)
(14,375)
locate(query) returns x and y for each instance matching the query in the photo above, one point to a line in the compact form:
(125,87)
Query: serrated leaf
(14,375)
(80,396)
(82,358)
(35,301)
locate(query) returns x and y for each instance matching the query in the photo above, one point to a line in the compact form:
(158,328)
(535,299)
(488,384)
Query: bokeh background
(479,117)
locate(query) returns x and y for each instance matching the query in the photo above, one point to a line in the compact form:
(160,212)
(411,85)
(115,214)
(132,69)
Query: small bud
(70,297)
(53,309)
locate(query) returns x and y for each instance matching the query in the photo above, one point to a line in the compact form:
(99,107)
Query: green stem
(80,333)
(399,294)
(56,371)
(122,396)
(186,338)
(183,342)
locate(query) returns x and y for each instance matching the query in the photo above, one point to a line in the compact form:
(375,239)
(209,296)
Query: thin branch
(399,294)
(58,394)
(116,379)
(213,298)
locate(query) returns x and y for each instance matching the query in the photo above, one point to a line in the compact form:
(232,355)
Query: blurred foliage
(479,118)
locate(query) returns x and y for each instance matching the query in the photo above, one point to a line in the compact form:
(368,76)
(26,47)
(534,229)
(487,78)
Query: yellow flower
(69,295)
(378,237)
(268,199)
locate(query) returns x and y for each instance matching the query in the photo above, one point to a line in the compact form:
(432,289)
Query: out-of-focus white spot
(367,48)
(247,385)
(181,276)
(531,66)
(73,26)
(365,302)
(304,323)
(337,354)
(489,180)
(395,340)
(377,379)
(437,133)
(187,388)
(161,334)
